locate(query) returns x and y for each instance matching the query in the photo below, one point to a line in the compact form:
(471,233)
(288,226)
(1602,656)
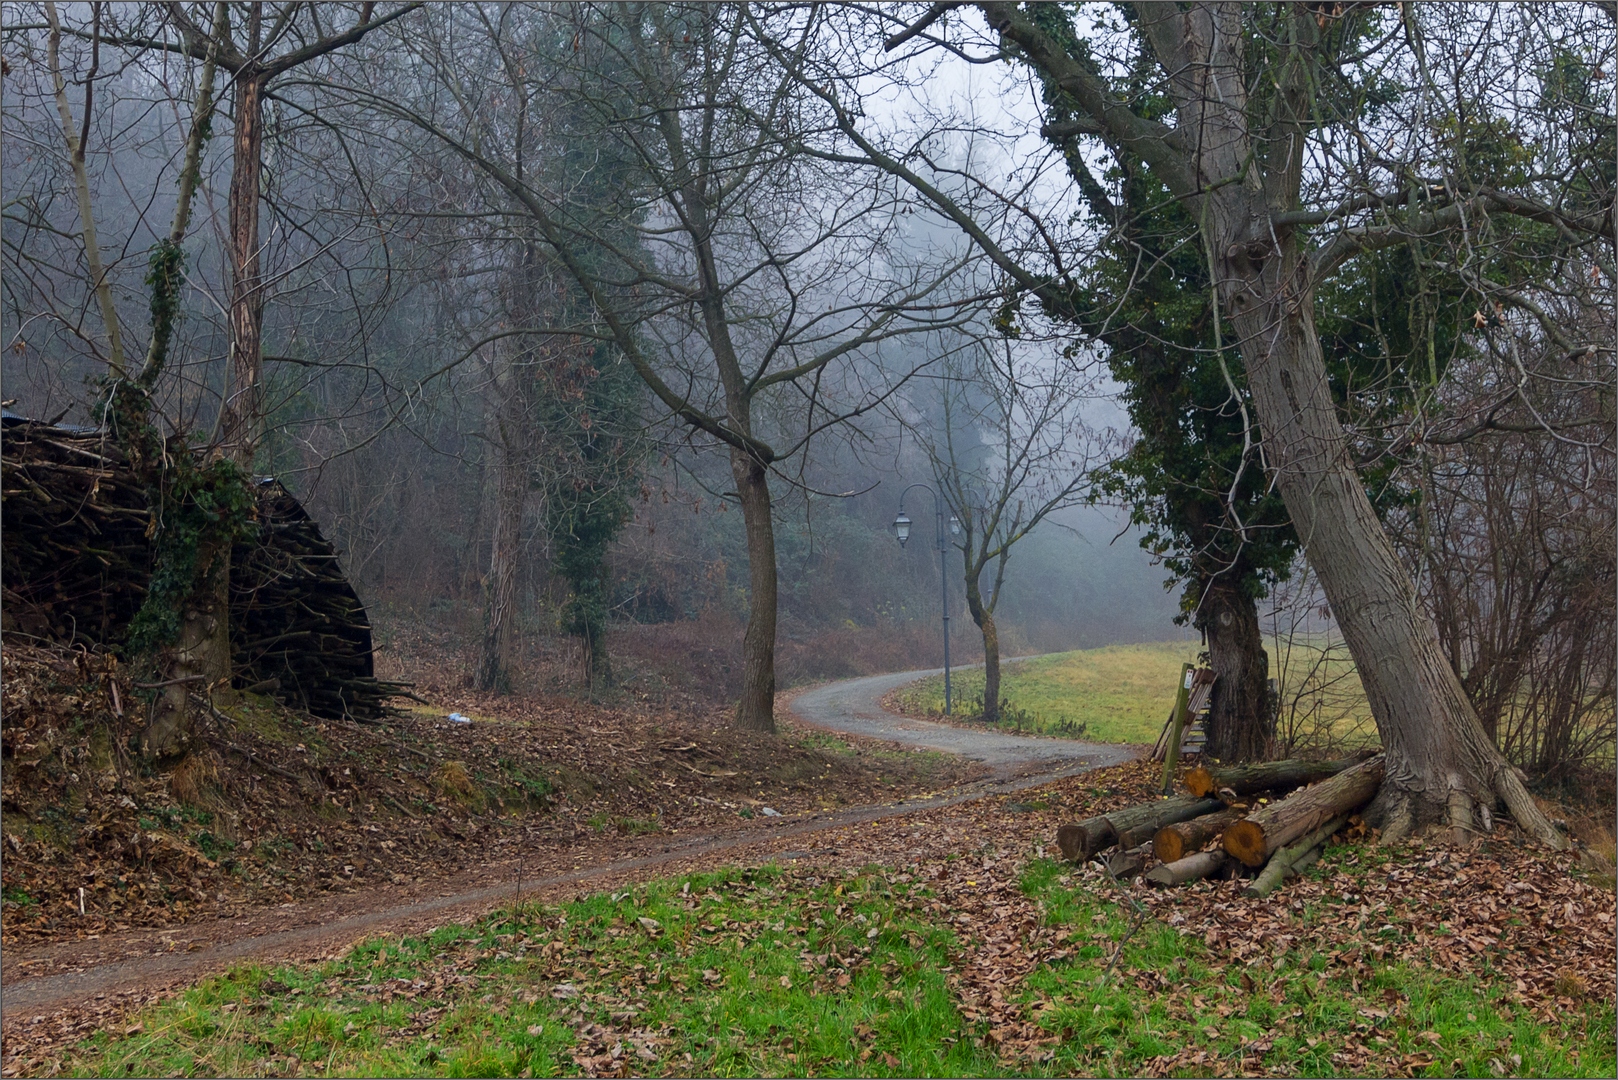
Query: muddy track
(39,980)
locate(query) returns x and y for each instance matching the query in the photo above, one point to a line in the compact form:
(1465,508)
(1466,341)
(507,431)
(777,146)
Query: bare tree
(1287,184)
(741,280)
(1009,448)
(250,56)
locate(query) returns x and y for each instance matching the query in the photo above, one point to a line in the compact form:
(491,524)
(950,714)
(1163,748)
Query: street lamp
(901,529)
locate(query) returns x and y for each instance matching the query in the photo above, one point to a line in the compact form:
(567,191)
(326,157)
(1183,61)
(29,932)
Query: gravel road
(855,707)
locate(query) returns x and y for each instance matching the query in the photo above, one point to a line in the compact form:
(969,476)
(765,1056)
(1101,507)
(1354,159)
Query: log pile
(77,557)
(295,620)
(1307,803)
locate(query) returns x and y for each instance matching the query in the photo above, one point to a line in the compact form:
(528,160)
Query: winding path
(39,980)
(854,707)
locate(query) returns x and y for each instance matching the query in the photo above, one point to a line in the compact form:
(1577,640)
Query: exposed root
(1391,812)
(1400,813)
(1462,822)
(1526,812)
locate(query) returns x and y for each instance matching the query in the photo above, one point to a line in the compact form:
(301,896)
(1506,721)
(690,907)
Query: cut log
(1293,859)
(1139,835)
(1191,868)
(1251,779)
(1174,842)
(1079,842)
(1124,865)
(1259,835)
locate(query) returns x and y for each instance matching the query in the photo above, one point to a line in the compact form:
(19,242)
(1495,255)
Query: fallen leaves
(301,808)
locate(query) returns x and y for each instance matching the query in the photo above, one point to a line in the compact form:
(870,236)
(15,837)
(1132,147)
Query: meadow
(1123,693)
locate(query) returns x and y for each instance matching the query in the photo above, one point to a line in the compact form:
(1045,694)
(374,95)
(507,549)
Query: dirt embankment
(273,807)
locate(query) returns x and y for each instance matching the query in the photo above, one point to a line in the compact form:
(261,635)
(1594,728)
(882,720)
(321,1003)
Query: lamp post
(901,529)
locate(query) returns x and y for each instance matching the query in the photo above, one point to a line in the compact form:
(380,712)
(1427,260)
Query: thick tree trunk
(991,648)
(1441,763)
(1240,725)
(756,711)
(239,425)
(199,662)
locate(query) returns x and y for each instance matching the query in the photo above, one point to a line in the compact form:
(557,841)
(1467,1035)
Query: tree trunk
(756,711)
(500,587)
(991,648)
(1240,725)
(1440,761)
(1251,779)
(239,426)
(1079,842)
(1256,837)
(201,656)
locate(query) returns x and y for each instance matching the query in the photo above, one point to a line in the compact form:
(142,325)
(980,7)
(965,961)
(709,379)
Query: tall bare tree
(1009,448)
(274,40)
(1273,147)
(741,280)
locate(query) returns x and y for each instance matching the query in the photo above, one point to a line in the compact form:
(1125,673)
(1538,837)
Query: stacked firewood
(78,555)
(297,627)
(1272,818)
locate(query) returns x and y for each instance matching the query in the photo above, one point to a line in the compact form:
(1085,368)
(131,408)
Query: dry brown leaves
(284,807)
(1521,911)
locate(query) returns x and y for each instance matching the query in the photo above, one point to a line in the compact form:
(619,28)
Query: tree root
(1398,813)
(1525,811)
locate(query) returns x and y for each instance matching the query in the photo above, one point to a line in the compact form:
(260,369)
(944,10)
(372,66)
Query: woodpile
(1264,776)
(1196,836)
(77,558)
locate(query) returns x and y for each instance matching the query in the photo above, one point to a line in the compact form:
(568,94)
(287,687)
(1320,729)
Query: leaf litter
(272,806)
(1543,931)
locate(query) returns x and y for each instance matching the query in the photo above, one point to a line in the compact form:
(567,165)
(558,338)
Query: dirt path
(854,706)
(137,965)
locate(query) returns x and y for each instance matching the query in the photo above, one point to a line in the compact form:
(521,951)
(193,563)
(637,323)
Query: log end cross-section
(1255,838)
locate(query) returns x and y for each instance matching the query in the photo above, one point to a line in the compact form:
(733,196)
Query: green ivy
(196,506)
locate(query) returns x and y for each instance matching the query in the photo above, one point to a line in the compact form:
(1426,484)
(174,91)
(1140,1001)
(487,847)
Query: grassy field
(1123,693)
(1117,694)
(772,972)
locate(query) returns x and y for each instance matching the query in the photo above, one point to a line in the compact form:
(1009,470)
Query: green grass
(1123,693)
(1297,1011)
(1119,694)
(766,972)
(738,976)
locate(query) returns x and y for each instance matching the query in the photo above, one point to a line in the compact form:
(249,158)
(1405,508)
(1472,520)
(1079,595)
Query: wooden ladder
(1194,737)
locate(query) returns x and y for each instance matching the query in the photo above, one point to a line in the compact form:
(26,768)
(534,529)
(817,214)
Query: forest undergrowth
(945,942)
(274,806)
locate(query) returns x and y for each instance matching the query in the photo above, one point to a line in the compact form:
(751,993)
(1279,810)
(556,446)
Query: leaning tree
(1282,148)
